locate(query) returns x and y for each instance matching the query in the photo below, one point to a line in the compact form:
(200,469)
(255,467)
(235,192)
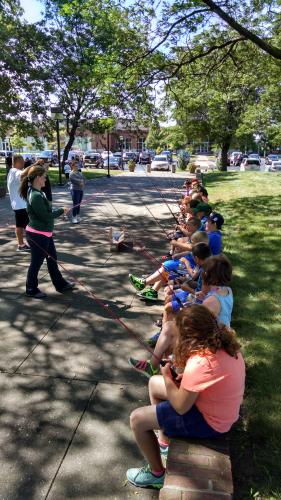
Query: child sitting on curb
(213,227)
(215,295)
(160,277)
(203,402)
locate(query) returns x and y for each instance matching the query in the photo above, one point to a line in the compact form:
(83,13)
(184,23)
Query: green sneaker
(143,366)
(138,283)
(149,294)
(143,478)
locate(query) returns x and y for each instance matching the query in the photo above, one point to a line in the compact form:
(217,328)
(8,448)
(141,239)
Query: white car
(111,160)
(160,162)
(254,156)
(275,166)
(233,156)
(249,164)
(104,154)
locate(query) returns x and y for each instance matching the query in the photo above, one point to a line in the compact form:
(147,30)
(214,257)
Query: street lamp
(121,140)
(58,116)
(108,170)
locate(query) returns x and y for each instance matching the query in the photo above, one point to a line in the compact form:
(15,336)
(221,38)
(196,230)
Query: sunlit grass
(251,205)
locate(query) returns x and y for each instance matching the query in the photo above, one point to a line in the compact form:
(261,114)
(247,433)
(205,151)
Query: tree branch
(249,35)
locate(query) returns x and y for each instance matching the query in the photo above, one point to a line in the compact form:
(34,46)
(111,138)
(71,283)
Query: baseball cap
(203,207)
(217,218)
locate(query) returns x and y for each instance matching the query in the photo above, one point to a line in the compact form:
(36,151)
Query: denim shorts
(192,424)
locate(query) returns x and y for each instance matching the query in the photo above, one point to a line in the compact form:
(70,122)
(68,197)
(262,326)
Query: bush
(182,163)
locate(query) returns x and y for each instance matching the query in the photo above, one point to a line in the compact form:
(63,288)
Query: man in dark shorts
(17,203)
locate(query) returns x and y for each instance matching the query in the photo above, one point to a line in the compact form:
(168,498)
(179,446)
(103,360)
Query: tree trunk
(72,134)
(223,161)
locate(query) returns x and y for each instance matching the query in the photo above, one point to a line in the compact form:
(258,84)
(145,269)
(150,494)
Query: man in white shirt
(17,203)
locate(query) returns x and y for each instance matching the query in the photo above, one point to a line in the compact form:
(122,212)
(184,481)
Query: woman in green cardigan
(39,232)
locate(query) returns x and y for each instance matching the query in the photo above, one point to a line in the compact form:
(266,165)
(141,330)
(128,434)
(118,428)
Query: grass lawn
(251,205)
(90,173)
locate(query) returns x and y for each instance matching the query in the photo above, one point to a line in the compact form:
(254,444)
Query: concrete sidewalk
(66,387)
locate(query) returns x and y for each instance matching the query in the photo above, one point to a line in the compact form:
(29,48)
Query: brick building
(125,136)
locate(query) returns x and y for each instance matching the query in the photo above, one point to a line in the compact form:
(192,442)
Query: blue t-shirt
(215,242)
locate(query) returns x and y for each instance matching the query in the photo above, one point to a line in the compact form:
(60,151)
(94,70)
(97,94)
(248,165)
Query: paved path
(66,388)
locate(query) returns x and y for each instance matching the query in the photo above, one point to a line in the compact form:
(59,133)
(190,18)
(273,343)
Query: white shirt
(13,184)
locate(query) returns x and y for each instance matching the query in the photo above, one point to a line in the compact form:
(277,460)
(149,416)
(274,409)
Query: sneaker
(143,366)
(78,218)
(153,340)
(149,294)
(68,286)
(138,283)
(36,295)
(143,478)
(23,248)
(74,220)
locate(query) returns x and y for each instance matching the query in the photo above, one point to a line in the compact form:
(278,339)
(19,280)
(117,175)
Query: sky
(33,9)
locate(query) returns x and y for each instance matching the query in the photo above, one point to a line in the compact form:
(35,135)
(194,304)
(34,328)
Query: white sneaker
(78,218)
(74,220)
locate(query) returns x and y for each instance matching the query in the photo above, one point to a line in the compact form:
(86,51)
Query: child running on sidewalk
(203,402)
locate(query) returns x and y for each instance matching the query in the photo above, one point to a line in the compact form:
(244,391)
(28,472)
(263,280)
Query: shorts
(182,296)
(172,265)
(21,218)
(192,424)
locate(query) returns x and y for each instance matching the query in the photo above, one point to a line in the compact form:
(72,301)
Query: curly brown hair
(198,333)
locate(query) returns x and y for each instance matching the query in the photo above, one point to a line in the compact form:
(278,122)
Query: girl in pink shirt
(203,402)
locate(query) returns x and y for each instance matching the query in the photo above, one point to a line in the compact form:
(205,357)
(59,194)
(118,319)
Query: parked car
(254,156)
(49,156)
(93,159)
(160,162)
(118,155)
(250,164)
(144,158)
(239,159)
(275,166)
(129,155)
(270,158)
(169,155)
(112,160)
(105,154)
(233,156)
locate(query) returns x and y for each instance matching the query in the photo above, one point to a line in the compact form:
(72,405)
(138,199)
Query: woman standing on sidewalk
(77,183)
(39,232)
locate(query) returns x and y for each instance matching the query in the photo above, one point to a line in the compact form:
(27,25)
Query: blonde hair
(199,237)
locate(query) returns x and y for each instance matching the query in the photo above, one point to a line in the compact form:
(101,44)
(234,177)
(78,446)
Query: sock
(161,443)
(158,473)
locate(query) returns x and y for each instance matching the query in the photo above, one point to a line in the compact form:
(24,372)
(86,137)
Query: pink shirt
(220,380)
(45,233)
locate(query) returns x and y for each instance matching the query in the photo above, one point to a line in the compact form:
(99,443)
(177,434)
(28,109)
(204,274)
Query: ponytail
(28,176)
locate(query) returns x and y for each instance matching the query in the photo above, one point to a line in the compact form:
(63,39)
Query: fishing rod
(106,307)
(160,193)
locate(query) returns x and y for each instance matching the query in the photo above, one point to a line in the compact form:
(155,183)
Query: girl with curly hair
(203,402)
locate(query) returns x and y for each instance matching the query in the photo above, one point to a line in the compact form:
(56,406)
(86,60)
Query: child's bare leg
(157,394)
(155,276)
(164,342)
(159,284)
(143,421)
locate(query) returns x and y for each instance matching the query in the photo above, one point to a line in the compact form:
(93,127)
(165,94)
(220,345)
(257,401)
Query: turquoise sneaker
(164,451)
(143,478)
(138,283)
(144,367)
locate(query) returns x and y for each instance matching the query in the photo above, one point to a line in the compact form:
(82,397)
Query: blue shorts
(171,265)
(182,296)
(192,424)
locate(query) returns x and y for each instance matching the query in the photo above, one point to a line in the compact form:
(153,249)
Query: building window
(128,143)
(140,144)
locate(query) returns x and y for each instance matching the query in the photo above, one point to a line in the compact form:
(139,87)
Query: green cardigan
(40,212)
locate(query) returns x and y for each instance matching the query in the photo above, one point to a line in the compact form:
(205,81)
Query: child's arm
(180,399)
(182,245)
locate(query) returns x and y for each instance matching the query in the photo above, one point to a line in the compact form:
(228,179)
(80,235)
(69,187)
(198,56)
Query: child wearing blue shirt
(213,226)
